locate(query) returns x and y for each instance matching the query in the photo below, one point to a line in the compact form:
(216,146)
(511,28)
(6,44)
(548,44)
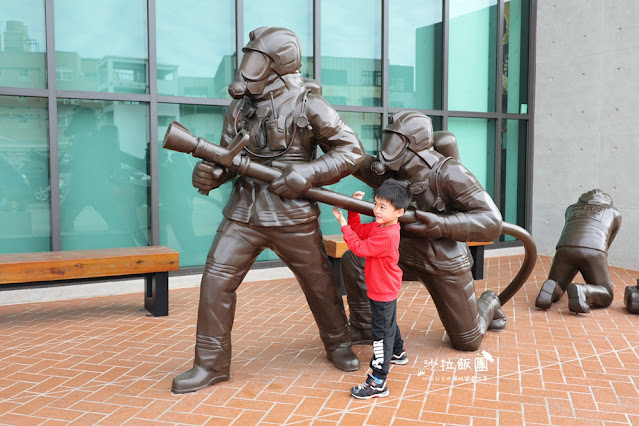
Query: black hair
(396,192)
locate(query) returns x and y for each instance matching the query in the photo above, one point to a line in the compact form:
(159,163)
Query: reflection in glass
(476,141)
(368,128)
(101,46)
(415,54)
(515,71)
(472,67)
(296,15)
(195,48)
(23,44)
(188,220)
(513,171)
(104,173)
(25,212)
(351,52)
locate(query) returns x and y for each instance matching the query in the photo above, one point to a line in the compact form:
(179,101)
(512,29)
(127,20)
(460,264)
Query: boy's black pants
(387,339)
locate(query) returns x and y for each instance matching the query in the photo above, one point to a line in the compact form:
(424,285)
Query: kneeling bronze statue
(453,208)
(631,298)
(591,226)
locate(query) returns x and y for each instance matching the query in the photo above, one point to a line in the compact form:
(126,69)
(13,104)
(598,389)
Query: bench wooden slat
(336,246)
(79,264)
(479,243)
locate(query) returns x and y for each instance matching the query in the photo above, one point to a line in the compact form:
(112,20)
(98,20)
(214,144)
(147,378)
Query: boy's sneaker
(373,388)
(400,359)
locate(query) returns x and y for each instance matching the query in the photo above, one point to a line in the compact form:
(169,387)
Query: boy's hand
(358,194)
(339,216)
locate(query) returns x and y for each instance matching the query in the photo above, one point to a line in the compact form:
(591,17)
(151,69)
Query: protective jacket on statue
(590,228)
(285,121)
(454,209)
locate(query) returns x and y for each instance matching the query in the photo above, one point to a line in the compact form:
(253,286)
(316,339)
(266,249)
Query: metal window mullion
(355,108)
(445,57)
(153,125)
(429,112)
(23,91)
(239,31)
(103,96)
(498,142)
(187,100)
(385,61)
(317,40)
(54,165)
(532,46)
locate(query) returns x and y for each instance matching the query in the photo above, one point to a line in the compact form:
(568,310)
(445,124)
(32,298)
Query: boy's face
(385,213)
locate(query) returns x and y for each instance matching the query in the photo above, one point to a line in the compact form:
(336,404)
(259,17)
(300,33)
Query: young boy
(378,242)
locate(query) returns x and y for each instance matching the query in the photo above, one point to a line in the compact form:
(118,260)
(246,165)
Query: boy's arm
(375,246)
(355,222)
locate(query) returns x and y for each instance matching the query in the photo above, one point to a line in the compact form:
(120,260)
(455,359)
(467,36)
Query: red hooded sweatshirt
(380,246)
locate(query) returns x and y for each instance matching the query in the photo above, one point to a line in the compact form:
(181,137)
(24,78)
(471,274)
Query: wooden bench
(69,267)
(336,247)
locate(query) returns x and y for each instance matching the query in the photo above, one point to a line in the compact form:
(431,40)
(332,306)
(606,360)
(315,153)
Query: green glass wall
(415,54)
(104,174)
(513,171)
(188,220)
(101,46)
(25,223)
(351,52)
(114,74)
(515,57)
(476,141)
(195,51)
(23,44)
(473,35)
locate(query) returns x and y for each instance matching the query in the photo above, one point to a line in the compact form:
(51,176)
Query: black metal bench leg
(156,295)
(478,262)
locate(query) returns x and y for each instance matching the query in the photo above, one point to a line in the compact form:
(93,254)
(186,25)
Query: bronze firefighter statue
(452,208)
(591,226)
(277,122)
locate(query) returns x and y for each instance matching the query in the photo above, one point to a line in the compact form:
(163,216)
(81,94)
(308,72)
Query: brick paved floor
(102,361)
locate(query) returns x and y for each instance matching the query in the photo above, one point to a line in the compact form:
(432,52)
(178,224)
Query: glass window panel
(25,212)
(23,45)
(104,173)
(476,141)
(415,54)
(513,172)
(351,52)
(188,220)
(296,15)
(515,71)
(101,45)
(195,48)
(368,127)
(472,58)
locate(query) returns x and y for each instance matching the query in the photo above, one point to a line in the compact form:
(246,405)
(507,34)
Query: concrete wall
(587,116)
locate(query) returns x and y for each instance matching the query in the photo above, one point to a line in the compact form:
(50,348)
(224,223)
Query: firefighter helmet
(279,44)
